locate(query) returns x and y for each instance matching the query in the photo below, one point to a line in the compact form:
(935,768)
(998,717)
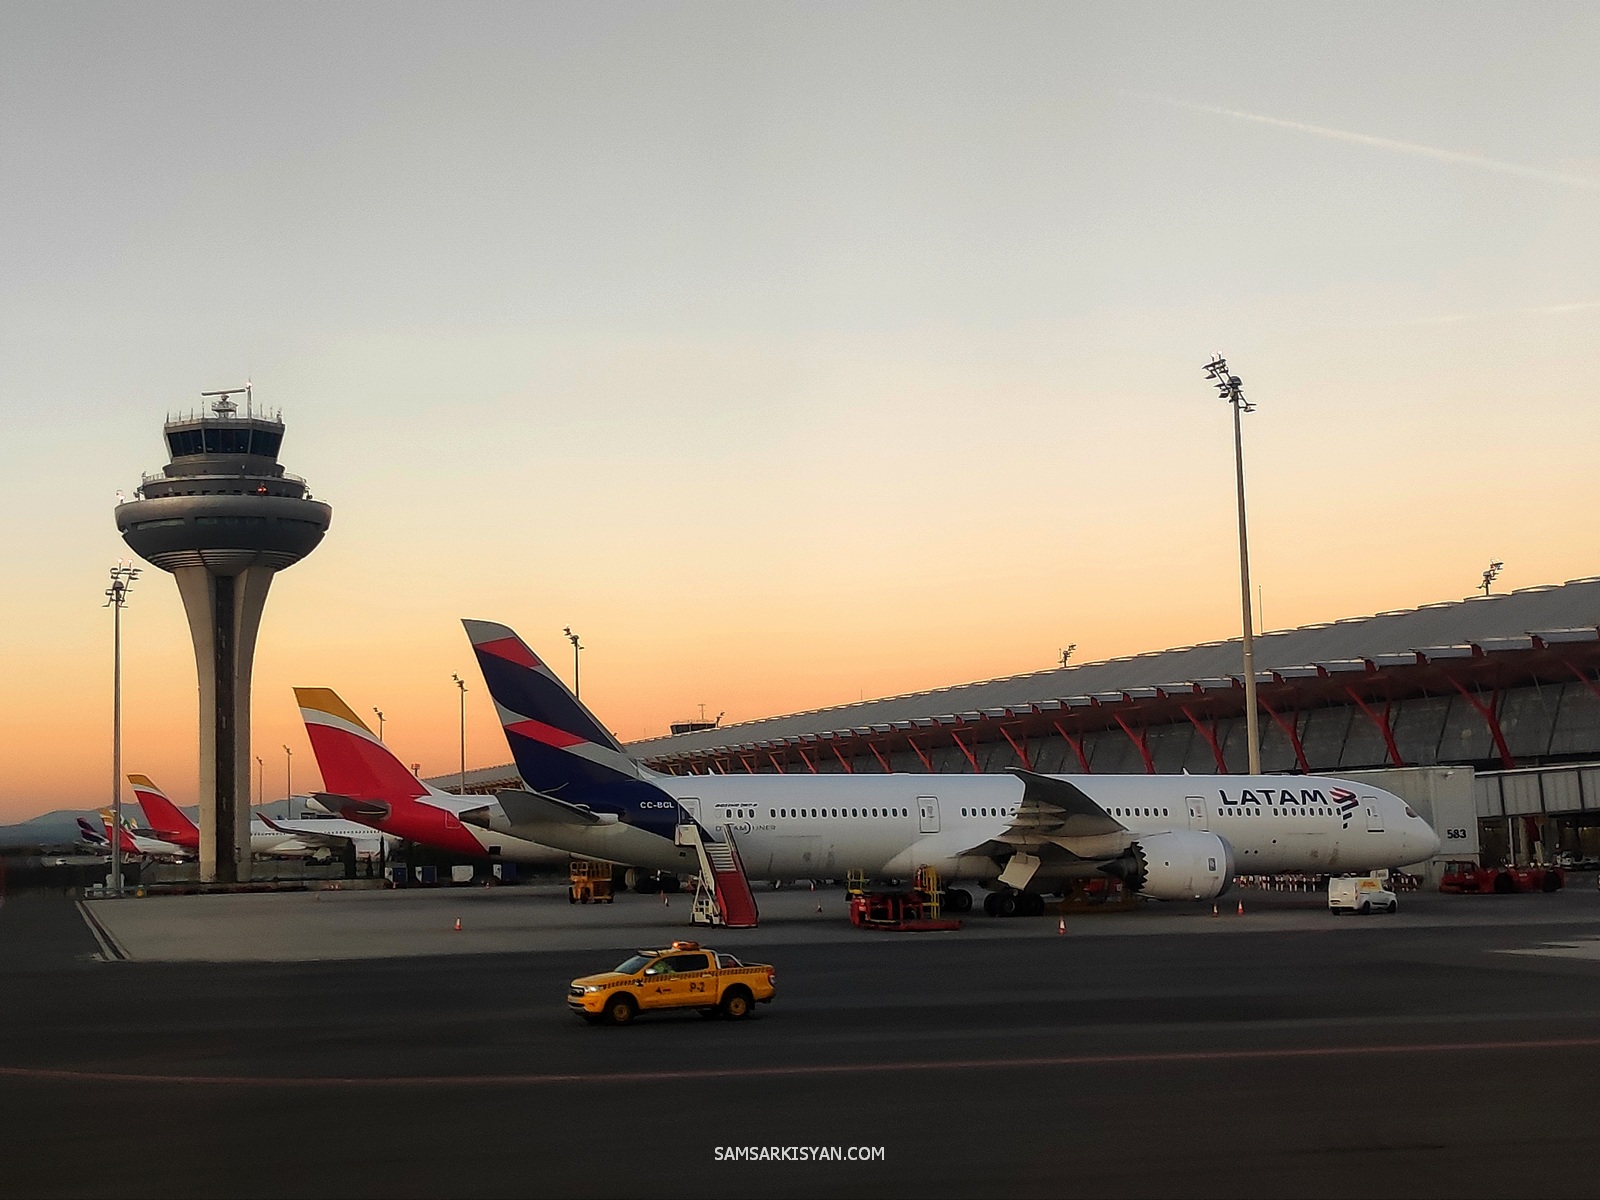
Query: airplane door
(1374,814)
(928,813)
(1197,812)
(691,806)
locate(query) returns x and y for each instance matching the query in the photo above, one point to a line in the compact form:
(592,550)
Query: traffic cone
(1241,908)
(1213,910)
(1061,926)
(819,905)
(458,924)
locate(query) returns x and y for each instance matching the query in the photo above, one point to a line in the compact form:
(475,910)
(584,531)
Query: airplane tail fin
(559,747)
(352,760)
(90,834)
(120,833)
(166,819)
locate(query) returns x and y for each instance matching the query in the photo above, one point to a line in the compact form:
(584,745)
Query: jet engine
(1185,864)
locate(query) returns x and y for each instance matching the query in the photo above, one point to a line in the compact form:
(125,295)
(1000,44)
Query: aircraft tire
(1005,904)
(991,904)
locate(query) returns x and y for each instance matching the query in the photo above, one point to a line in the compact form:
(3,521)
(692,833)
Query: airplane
(131,841)
(1019,835)
(368,785)
(278,839)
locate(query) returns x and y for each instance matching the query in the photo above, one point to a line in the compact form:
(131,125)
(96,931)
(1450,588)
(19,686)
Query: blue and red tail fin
(89,834)
(559,747)
(167,820)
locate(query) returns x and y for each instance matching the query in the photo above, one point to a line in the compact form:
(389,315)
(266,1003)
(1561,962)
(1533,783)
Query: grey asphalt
(1296,1055)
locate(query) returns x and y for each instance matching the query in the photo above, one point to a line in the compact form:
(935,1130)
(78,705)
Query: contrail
(1363,139)
(1543,310)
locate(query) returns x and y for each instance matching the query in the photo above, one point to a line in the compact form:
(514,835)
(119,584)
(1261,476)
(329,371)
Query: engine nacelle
(1183,865)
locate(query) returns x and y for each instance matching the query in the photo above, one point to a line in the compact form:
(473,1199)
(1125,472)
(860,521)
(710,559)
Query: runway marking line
(971,1064)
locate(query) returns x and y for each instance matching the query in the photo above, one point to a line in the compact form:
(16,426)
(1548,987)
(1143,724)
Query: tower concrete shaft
(224,518)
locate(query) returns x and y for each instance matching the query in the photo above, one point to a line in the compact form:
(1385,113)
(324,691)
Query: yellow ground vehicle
(684,975)
(589,882)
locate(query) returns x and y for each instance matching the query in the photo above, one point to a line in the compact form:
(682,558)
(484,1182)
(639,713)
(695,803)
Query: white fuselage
(887,826)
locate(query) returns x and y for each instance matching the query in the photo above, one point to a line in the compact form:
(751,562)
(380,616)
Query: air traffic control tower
(224,517)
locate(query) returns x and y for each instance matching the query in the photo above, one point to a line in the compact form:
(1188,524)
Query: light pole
(379,711)
(122,577)
(1491,575)
(1231,388)
(460,683)
(288,783)
(577,694)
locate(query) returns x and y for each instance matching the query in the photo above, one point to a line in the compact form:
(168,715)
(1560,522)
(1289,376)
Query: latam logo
(1282,797)
(1346,800)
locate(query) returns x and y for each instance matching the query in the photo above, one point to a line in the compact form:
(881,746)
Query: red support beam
(1077,747)
(776,763)
(872,744)
(1292,732)
(1382,724)
(849,767)
(1489,718)
(1139,740)
(1583,678)
(749,764)
(809,759)
(955,736)
(926,764)
(1210,736)
(1021,748)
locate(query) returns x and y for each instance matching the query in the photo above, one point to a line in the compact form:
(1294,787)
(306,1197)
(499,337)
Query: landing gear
(1011,903)
(956,900)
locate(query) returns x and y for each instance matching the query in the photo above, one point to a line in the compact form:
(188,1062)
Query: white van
(1360,894)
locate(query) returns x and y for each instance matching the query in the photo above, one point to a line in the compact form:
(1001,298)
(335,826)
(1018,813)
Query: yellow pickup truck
(684,975)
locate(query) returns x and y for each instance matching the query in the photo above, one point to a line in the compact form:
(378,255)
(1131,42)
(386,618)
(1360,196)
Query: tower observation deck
(223,517)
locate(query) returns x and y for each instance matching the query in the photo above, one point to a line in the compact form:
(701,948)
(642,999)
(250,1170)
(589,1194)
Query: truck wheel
(1552,882)
(736,1004)
(1365,910)
(572,895)
(1504,885)
(621,1009)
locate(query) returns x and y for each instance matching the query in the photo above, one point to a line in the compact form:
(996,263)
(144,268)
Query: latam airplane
(131,842)
(279,839)
(367,784)
(1021,834)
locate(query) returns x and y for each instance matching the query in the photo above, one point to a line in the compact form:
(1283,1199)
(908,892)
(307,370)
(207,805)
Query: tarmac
(355,1044)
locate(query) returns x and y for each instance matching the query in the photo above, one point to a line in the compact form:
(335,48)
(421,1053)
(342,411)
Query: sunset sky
(791,354)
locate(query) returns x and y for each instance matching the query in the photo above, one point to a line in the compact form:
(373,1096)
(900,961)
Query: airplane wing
(1055,808)
(307,832)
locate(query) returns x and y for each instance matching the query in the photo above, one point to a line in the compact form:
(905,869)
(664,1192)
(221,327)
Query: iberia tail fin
(167,820)
(352,760)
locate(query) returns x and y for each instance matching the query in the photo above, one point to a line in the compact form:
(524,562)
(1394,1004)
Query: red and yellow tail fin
(352,760)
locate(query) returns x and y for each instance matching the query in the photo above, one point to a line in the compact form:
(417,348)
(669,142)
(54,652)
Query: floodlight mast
(1489,576)
(1231,389)
(122,577)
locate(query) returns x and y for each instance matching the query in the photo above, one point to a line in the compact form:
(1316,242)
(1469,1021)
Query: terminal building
(1506,685)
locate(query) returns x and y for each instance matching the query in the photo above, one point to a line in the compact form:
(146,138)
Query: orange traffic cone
(819,905)
(1241,908)
(1061,926)
(458,924)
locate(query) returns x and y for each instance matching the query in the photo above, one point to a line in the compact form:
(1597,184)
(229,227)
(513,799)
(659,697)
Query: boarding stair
(722,895)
